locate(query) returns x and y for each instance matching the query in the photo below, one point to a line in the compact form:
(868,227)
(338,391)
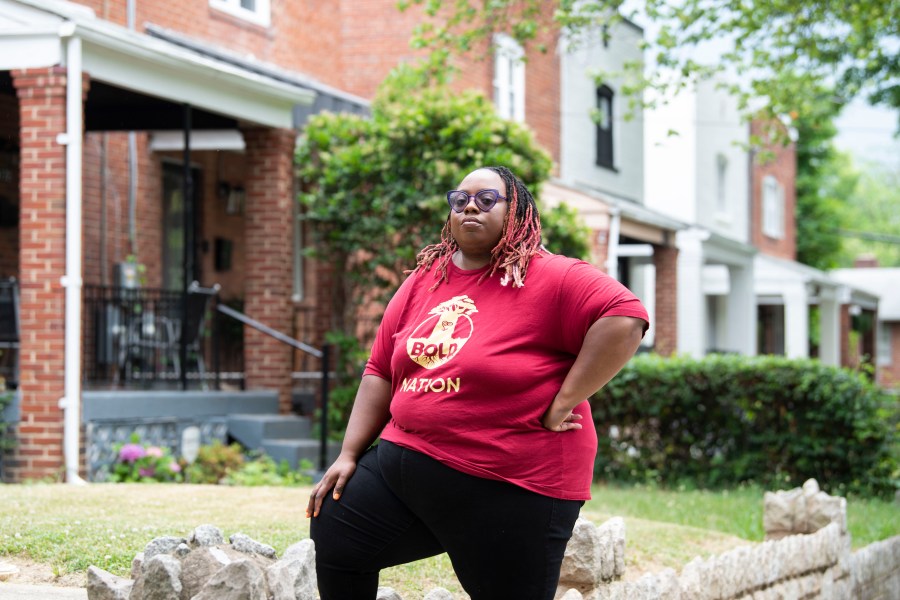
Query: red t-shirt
(473,367)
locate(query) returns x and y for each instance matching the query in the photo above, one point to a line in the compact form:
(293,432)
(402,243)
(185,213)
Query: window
(605,127)
(509,78)
(298,272)
(255,11)
(773,208)
(883,344)
(721,184)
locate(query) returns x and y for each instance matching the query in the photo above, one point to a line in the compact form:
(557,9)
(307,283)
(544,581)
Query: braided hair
(519,242)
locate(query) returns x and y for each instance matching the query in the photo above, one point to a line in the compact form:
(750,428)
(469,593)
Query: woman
(477,387)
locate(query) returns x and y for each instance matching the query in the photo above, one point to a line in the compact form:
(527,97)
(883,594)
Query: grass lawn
(70,528)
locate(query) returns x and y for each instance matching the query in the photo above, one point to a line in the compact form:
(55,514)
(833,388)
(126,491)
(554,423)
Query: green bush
(726,420)
(263,470)
(214,462)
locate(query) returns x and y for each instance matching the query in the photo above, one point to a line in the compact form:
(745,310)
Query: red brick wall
(304,35)
(105,176)
(374,39)
(782,165)
(665,326)
(42,96)
(268,279)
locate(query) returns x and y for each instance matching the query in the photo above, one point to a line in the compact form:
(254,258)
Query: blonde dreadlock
(519,242)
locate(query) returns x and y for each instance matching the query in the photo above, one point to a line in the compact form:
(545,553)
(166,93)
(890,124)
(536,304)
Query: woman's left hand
(556,420)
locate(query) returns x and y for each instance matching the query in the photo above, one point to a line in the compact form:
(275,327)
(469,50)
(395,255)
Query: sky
(867,133)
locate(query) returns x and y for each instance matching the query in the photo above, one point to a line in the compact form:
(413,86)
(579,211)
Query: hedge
(725,420)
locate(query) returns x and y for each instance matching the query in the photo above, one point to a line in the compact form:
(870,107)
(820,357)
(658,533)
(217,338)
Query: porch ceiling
(111,108)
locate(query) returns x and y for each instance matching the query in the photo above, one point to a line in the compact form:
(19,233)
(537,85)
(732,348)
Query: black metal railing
(152,338)
(323,355)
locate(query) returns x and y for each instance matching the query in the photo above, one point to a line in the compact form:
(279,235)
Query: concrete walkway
(14,591)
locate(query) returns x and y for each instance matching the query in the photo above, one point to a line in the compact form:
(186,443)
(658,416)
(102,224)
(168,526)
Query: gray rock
(612,538)
(137,565)
(137,591)
(292,579)
(247,545)
(239,580)
(181,550)
(581,565)
(199,566)
(102,585)
(304,550)
(162,545)
(386,593)
(438,594)
(162,578)
(206,535)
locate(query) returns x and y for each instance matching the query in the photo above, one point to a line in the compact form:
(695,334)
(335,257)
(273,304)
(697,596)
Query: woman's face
(475,231)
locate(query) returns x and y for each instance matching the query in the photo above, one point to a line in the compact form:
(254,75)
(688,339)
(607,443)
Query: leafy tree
(850,44)
(822,183)
(872,220)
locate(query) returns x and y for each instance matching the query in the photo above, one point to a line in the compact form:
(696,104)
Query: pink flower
(175,467)
(147,472)
(131,452)
(155,451)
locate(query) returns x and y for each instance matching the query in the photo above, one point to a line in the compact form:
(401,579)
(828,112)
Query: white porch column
(829,327)
(741,332)
(691,310)
(796,321)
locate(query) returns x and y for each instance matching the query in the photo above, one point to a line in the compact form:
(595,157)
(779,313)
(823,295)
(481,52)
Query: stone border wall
(808,555)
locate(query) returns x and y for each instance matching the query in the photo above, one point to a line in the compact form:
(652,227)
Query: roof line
(255,66)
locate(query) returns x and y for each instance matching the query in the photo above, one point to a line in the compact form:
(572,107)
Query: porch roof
(141,68)
(881,282)
(595,208)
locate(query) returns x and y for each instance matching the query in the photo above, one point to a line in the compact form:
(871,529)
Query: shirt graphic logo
(450,328)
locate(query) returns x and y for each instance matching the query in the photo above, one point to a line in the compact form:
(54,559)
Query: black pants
(505,542)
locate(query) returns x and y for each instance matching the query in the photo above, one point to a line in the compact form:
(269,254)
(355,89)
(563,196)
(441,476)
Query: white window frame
(772,208)
(509,78)
(261,15)
(298,288)
(721,184)
(883,354)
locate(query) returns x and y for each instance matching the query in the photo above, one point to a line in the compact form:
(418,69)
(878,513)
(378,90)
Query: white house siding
(670,154)
(578,131)
(722,132)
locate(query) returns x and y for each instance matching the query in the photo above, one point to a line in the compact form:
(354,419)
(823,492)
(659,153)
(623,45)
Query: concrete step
(252,430)
(294,451)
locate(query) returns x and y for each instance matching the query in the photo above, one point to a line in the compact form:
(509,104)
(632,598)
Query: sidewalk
(14,591)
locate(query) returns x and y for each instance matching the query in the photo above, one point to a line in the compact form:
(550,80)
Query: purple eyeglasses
(485,200)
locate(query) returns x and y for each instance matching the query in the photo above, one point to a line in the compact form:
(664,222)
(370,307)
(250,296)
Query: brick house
(881,282)
(103,104)
(180,169)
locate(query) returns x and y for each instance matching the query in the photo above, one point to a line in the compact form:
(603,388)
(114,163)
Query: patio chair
(9,331)
(199,312)
(153,341)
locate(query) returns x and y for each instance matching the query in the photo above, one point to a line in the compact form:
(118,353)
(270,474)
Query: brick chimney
(865,261)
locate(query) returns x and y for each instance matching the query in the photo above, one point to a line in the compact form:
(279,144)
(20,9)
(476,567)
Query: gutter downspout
(71,402)
(131,17)
(612,250)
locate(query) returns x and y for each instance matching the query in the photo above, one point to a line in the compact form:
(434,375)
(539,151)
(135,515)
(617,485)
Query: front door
(180,227)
